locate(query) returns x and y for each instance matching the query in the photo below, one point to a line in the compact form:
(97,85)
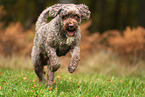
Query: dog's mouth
(71,29)
(71,32)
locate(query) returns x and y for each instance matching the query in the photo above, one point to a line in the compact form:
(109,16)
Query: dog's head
(70,15)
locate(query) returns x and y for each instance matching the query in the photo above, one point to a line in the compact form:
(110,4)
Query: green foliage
(106,14)
(24,11)
(113,14)
(20,83)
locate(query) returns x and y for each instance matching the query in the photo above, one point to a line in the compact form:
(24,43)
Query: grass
(23,83)
(94,77)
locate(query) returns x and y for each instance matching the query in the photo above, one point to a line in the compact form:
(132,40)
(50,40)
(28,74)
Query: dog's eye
(65,16)
(76,17)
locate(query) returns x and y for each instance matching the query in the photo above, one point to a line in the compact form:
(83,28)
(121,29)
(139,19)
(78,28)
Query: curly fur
(56,38)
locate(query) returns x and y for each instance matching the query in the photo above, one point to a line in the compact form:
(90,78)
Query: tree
(142,13)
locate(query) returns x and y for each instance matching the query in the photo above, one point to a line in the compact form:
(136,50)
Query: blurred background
(113,39)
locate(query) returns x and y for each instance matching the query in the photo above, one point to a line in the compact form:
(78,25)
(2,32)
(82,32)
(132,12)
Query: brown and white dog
(56,38)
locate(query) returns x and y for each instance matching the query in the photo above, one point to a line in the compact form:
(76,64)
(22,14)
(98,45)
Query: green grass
(20,83)
(101,75)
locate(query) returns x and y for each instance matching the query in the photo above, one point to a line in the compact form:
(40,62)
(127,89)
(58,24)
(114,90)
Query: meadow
(94,78)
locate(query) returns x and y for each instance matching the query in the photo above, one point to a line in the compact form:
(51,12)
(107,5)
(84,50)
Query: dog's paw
(71,69)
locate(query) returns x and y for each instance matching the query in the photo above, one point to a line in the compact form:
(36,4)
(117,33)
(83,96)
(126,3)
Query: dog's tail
(42,19)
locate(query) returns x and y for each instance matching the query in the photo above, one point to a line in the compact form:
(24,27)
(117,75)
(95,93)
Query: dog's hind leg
(39,70)
(38,66)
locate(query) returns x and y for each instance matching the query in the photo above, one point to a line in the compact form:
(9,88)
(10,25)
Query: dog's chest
(64,45)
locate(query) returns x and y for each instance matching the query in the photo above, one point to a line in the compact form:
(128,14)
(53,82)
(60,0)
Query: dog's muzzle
(71,27)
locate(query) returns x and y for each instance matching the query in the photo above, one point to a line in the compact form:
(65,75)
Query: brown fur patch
(70,21)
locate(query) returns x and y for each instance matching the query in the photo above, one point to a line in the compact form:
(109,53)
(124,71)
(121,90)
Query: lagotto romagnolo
(58,37)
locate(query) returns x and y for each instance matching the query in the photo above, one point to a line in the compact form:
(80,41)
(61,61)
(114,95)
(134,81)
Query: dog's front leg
(50,77)
(53,58)
(75,58)
(53,65)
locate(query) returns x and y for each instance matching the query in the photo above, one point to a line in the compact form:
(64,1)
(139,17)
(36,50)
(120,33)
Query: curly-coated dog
(56,38)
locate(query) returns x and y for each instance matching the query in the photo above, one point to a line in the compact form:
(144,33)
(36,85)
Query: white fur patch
(69,40)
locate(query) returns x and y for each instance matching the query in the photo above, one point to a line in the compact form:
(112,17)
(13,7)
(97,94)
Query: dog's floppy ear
(84,10)
(54,10)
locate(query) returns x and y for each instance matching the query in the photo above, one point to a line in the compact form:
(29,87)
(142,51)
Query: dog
(56,38)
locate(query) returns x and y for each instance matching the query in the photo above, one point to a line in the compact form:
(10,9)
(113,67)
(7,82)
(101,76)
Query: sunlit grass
(102,62)
(16,62)
(23,83)
(100,74)
(107,63)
